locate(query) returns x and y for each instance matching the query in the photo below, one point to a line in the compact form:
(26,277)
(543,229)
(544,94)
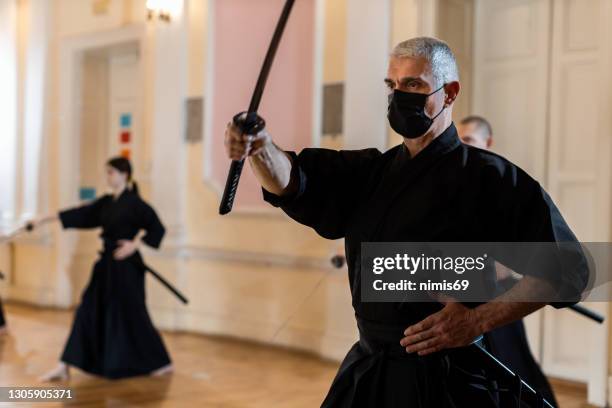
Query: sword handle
(588,313)
(249,123)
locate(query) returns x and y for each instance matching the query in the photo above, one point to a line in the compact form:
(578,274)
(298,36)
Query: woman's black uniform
(112,334)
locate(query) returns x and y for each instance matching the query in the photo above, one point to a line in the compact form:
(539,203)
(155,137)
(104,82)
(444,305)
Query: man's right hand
(238,145)
(270,164)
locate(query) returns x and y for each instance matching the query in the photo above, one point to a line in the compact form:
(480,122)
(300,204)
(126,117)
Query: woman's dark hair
(123,165)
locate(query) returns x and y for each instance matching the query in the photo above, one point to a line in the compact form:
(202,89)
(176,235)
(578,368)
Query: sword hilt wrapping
(249,123)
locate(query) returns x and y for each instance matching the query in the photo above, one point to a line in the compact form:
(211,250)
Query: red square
(125,137)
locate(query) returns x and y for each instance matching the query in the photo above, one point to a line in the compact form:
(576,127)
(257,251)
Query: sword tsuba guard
(249,123)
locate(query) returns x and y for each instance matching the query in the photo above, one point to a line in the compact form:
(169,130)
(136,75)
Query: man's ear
(489,142)
(452,91)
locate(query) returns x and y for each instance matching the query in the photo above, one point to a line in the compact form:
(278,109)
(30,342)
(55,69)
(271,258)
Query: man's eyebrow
(406,80)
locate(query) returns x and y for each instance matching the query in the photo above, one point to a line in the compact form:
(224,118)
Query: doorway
(101,103)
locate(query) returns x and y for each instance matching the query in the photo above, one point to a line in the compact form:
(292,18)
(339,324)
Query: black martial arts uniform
(112,334)
(510,345)
(449,192)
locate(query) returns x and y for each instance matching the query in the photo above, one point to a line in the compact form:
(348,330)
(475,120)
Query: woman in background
(112,334)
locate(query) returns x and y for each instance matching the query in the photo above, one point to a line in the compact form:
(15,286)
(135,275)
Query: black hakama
(112,334)
(449,192)
(510,345)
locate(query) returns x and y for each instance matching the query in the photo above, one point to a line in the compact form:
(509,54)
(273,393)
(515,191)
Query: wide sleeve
(151,224)
(551,250)
(86,216)
(328,186)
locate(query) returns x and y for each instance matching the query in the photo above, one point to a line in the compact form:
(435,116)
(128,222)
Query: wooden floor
(210,371)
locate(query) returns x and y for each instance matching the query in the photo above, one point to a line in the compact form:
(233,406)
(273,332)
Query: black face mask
(407,113)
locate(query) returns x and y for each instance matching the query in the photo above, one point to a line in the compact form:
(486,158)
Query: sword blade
(233,177)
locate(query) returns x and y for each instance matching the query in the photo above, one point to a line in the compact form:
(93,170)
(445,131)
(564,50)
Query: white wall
(365,99)
(8,108)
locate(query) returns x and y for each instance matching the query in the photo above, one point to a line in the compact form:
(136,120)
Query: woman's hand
(125,248)
(37,222)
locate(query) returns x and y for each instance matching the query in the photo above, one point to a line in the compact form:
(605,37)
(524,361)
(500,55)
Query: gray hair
(436,52)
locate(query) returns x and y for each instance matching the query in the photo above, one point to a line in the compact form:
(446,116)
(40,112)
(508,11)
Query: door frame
(68,139)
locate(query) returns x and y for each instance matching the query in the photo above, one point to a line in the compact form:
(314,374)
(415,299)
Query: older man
(430,188)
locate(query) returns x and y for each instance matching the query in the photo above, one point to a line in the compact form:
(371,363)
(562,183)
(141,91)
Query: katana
(29,227)
(588,313)
(521,390)
(167,284)
(15,233)
(250,122)
(139,262)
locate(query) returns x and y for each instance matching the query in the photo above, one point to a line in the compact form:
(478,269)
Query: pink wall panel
(242,31)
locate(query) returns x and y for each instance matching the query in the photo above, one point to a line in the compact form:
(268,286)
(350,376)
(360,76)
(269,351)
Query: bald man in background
(476,131)
(508,343)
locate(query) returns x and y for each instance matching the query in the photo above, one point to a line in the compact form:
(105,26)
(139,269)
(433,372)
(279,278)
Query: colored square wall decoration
(125,121)
(87,193)
(125,137)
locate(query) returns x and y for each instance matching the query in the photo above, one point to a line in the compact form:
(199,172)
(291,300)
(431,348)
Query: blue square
(125,121)
(87,193)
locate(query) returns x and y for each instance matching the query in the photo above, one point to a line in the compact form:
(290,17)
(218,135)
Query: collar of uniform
(446,142)
(126,191)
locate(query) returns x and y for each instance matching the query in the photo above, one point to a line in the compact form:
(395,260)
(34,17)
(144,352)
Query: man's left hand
(454,326)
